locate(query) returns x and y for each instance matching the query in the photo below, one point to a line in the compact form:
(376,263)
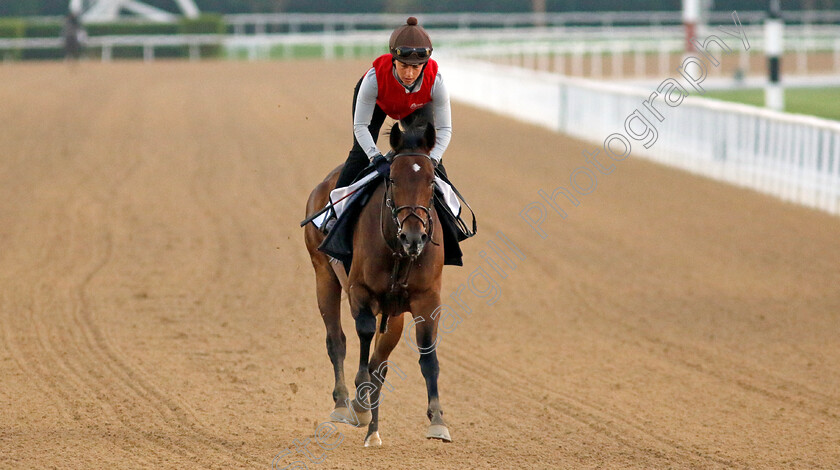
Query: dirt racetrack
(158,305)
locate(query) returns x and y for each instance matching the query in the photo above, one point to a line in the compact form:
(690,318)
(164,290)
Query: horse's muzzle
(413,242)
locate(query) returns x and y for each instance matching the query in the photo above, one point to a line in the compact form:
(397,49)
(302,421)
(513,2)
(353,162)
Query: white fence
(107,43)
(561,49)
(796,158)
(262,23)
(630,46)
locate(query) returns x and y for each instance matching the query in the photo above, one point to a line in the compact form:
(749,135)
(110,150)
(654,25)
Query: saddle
(339,242)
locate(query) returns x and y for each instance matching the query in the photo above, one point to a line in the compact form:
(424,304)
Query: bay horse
(397,265)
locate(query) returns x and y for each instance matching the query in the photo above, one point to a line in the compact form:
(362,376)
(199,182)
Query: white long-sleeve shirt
(366,103)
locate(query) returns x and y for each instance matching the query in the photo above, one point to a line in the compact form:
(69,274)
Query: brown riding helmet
(410,44)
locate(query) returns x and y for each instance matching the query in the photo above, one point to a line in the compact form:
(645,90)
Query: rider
(405,85)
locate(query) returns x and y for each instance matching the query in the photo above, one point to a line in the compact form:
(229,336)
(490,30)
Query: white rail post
(835,205)
(148,52)
(639,60)
(617,51)
(801,59)
(597,71)
(774,93)
(544,58)
(577,60)
(744,61)
(328,44)
(195,53)
(825,171)
(837,55)
(528,58)
(559,61)
(664,59)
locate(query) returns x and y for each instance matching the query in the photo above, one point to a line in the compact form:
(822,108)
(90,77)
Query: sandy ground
(157,304)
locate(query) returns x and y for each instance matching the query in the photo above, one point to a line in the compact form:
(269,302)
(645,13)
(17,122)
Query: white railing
(574,51)
(796,158)
(262,23)
(107,43)
(564,50)
(630,46)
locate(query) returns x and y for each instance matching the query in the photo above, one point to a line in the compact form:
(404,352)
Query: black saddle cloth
(339,242)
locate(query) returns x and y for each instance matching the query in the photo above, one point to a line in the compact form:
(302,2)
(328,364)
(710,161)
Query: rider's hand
(382,165)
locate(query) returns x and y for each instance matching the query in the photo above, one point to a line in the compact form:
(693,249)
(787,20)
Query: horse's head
(410,186)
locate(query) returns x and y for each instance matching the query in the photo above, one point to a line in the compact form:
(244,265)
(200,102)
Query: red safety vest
(391,96)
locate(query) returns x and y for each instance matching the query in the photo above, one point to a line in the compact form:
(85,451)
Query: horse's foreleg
(329,304)
(427,346)
(378,368)
(365,328)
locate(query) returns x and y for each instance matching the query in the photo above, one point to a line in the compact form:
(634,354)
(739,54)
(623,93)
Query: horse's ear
(396,136)
(429,135)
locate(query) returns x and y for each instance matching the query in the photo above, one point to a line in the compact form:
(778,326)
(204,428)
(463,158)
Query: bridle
(398,284)
(395,211)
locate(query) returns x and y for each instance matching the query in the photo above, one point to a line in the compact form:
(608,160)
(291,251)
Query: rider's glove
(382,165)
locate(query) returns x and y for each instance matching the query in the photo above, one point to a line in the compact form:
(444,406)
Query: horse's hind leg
(378,368)
(329,303)
(427,346)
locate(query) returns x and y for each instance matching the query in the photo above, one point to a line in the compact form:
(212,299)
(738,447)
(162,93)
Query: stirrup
(328,224)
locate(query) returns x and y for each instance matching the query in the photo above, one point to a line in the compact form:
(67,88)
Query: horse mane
(418,135)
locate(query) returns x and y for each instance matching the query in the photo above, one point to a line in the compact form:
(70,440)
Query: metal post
(774,94)
(690,15)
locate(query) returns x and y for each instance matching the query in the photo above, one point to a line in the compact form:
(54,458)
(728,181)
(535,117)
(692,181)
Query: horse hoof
(364,418)
(345,415)
(373,440)
(438,431)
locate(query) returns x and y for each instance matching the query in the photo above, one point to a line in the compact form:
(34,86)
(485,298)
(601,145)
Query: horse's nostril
(424,238)
(403,237)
